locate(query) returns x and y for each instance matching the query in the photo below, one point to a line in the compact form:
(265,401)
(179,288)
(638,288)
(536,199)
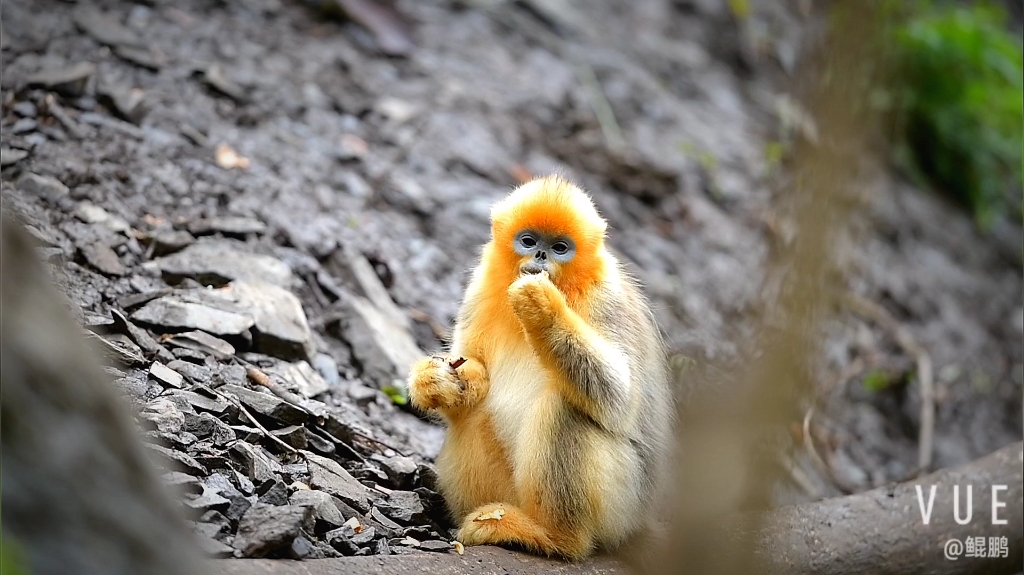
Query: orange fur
(481,472)
(517,527)
(510,409)
(538,305)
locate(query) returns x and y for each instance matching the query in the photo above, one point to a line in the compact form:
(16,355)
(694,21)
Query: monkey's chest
(520,404)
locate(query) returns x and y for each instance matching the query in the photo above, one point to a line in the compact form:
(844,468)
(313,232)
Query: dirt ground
(665,111)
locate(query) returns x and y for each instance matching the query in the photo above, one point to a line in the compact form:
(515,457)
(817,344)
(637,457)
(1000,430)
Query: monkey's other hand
(443,382)
(434,384)
(535,299)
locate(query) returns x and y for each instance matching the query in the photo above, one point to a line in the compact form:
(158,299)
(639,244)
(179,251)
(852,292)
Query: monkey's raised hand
(435,384)
(536,301)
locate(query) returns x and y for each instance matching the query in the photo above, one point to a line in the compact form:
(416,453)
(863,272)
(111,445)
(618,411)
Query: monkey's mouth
(532,267)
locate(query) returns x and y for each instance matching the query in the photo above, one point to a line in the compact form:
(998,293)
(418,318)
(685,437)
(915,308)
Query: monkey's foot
(503,524)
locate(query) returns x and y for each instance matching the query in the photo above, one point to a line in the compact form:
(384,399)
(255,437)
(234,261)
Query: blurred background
(346,153)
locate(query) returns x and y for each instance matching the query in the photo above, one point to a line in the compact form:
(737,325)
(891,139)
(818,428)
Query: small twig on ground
(378,442)
(257,376)
(65,120)
(317,291)
(800,478)
(348,448)
(330,315)
(884,319)
(259,426)
(849,372)
(818,461)
(440,331)
(125,355)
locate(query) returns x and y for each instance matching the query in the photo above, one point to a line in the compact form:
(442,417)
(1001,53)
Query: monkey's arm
(592,371)
(452,391)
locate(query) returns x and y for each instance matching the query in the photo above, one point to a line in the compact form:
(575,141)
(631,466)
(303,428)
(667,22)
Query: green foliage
(959,101)
(398,395)
(12,560)
(878,380)
(12,557)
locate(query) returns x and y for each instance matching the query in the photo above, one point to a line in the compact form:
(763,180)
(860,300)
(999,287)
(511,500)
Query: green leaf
(399,396)
(877,380)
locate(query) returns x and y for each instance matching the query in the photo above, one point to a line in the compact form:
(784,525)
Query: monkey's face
(542,252)
(547,225)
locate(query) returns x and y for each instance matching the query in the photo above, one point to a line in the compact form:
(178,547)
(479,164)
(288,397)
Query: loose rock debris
(263,465)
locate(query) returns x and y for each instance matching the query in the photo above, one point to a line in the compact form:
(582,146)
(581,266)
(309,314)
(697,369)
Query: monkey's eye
(560,248)
(528,241)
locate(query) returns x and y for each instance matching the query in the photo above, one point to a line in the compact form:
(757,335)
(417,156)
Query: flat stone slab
(278,323)
(217,262)
(483,560)
(281,326)
(386,350)
(207,310)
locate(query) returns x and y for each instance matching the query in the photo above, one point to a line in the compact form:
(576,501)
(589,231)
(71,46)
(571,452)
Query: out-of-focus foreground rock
(79,495)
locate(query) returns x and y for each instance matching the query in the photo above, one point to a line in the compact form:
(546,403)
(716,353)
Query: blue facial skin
(542,249)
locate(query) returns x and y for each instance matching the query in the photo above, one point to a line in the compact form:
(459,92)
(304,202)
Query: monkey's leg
(435,384)
(591,371)
(473,467)
(504,524)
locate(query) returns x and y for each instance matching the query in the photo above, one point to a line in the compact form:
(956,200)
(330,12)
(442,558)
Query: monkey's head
(549,225)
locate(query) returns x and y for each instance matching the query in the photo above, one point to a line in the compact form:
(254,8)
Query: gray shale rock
(69,80)
(267,404)
(204,425)
(169,241)
(385,350)
(260,466)
(404,507)
(203,342)
(238,502)
(281,328)
(325,508)
(227,225)
(193,400)
(205,310)
(208,499)
(195,373)
(11,156)
(104,28)
(45,187)
(166,375)
(182,461)
(400,469)
(301,377)
(273,314)
(164,415)
(341,540)
(217,262)
(268,528)
(329,476)
(101,257)
(276,494)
